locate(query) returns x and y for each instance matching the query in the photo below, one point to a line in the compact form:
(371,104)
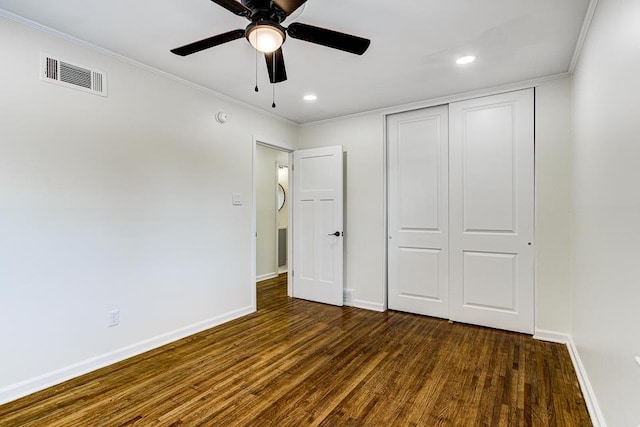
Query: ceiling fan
(266,34)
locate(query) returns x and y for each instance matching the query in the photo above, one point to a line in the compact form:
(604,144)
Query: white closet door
(418,212)
(491,204)
(317,225)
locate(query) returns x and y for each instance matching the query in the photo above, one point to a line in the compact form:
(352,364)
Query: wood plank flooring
(296,363)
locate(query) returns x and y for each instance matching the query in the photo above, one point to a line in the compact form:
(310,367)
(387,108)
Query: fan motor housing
(264,10)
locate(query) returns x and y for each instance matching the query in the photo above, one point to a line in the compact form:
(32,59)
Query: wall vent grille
(65,73)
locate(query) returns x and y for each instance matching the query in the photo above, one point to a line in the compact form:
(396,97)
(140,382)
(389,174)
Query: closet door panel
(418,213)
(491,211)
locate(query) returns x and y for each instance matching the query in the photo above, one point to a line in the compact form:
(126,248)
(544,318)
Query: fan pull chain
(274,83)
(256,89)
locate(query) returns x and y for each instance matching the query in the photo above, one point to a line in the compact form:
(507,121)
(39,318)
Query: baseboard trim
(551,336)
(266,277)
(595,413)
(32,385)
(367,305)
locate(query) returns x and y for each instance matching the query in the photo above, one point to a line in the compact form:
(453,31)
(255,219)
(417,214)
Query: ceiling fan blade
(207,43)
(289,6)
(275,66)
(329,38)
(234,6)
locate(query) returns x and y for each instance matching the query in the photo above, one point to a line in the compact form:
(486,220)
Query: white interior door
(317,217)
(418,211)
(491,203)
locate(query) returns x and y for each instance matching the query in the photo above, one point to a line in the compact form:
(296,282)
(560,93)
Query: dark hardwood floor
(296,363)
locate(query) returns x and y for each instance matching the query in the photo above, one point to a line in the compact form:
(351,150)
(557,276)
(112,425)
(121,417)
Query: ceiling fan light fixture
(266,34)
(265,38)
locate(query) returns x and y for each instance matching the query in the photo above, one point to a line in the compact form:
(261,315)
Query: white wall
(115,203)
(266,211)
(362,141)
(606,209)
(553,194)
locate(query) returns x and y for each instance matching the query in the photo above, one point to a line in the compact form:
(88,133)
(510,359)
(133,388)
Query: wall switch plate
(114,318)
(638,362)
(236,199)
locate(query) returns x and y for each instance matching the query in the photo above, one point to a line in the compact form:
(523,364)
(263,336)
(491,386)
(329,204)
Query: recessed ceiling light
(466,60)
(310,97)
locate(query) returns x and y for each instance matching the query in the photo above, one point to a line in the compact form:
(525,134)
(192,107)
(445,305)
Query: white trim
(286,147)
(41,382)
(536,177)
(368,305)
(290,229)
(43,28)
(584,31)
(385,215)
(551,336)
(597,418)
(463,96)
(254,224)
(267,276)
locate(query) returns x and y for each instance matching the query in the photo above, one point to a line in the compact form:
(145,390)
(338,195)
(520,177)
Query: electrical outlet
(114,318)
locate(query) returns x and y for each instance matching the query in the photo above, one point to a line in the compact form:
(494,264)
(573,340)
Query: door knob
(337,234)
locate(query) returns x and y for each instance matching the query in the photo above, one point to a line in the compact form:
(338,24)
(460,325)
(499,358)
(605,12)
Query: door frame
(284,147)
(277,225)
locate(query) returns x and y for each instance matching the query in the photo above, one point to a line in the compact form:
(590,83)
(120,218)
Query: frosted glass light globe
(265,38)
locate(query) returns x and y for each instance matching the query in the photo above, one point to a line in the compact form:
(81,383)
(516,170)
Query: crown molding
(462,96)
(584,31)
(74,40)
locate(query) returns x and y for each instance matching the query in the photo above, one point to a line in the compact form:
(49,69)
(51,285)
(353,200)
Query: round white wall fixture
(222,117)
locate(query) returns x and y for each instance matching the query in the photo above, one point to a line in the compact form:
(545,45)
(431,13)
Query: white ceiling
(411,58)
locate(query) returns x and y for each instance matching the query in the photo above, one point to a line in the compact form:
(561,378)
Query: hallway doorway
(272,212)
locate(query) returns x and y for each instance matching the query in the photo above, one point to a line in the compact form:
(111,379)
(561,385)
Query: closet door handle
(337,234)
